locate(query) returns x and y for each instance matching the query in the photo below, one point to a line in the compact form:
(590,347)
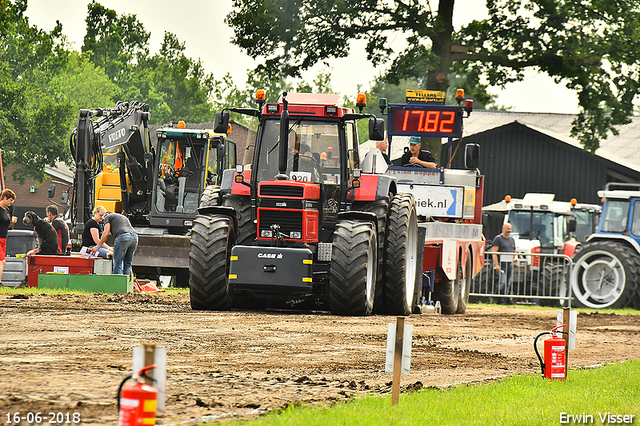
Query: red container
(69,264)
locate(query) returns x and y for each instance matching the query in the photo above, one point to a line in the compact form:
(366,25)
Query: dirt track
(69,353)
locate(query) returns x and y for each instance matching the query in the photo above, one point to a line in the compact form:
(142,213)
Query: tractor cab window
(212,165)
(614,216)
(352,146)
(635,224)
(313,153)
(179,176)
(533,226)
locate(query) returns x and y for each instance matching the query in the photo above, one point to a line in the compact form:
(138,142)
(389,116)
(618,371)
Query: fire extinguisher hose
(535,348)
(120,389)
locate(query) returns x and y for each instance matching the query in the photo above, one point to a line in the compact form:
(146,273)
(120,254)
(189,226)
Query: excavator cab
(187,162)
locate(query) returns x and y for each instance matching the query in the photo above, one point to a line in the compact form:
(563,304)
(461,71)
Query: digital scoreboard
(427,120)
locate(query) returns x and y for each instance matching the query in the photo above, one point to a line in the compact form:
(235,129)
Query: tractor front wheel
(211,240)
(354,267)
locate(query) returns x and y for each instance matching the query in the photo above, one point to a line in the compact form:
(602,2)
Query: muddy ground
(68,353)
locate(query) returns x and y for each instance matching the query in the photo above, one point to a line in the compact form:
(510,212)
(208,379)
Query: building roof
(623,149)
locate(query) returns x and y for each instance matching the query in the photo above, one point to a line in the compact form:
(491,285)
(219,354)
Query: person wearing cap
(414,155)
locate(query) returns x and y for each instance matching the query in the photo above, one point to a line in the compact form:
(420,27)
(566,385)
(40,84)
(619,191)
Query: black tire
(381,209)
(353,270)
(605,275)
(464,283)
(211,240)
(210,196)
(246,231)
(401,260)
(447,292)
(554,284)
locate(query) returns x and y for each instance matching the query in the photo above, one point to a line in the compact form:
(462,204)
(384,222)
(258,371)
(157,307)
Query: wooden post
(566,317)
(149,358)
(397,361)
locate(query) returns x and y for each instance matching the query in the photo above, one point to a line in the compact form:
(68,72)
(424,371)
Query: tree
(174,86)
(84,84)
(34,118)
(590,45)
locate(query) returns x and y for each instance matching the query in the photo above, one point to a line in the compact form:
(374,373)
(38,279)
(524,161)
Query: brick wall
(30,201)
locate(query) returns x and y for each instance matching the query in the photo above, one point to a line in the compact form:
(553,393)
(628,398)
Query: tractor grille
(281,191)
(289,220)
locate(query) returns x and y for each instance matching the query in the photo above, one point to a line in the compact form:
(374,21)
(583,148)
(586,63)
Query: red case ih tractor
(300,222)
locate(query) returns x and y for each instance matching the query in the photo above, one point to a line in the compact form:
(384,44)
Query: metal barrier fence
(538,278)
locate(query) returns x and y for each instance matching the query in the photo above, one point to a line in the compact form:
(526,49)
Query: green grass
(520,400)
(625,311)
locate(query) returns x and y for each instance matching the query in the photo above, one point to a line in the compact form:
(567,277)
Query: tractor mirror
(471,156)
(376,129)
(51,192)
(64,197)
(221,122)
(572,224)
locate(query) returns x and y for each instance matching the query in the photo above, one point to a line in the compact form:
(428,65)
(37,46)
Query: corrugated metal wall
(516,159)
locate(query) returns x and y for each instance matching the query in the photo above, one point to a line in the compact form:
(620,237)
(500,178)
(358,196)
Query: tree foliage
(34,118)
(590,45)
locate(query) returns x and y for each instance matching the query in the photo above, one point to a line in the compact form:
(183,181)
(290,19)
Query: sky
(200,25)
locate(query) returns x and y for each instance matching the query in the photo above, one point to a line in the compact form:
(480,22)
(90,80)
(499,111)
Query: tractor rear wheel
(465,283)
(211,240)
(354,267)
(402,283)
(380,208)
(605,275)
(555,284)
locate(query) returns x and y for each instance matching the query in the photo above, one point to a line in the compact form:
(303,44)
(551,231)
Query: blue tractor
(606,270)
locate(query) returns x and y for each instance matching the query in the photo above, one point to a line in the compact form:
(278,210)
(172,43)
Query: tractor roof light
(181,124)
(507,199)
(460,95)
(573,202)
(361,101)
(468,106)
(260,97)
(229,129)
(331,110)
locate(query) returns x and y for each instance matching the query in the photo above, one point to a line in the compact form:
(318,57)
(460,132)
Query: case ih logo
(270,255)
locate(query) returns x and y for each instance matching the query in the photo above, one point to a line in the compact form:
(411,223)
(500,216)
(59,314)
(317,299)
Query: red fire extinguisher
(553,366)
(137,403)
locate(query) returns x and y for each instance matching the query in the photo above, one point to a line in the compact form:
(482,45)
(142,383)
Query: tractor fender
(375,187)
(228,185)
(358,215)
(615,237)
(570,248)
(219,210)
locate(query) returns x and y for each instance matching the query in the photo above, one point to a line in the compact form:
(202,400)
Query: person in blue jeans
(125,241)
